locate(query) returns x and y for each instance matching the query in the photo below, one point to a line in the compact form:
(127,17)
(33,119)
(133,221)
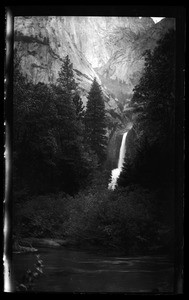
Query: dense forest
(60,175)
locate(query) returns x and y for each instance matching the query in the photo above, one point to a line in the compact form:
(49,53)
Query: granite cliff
(108,48)
(124,68)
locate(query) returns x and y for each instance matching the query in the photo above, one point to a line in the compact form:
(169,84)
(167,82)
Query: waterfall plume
(116,172)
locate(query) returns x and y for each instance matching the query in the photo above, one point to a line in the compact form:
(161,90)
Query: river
(69,270)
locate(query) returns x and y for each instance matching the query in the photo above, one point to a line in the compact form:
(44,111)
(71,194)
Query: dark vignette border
(177,12)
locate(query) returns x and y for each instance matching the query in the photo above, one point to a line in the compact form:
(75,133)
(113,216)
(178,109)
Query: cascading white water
(116,172)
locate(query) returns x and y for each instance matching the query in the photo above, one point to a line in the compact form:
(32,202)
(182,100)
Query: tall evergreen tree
(78,107)
(155,96)
(66,78)
(95,124)
(67,92)
(49,149)
(74,157)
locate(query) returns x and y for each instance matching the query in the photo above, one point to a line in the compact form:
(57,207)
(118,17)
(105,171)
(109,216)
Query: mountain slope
(42,43)
(124,69)
(108,48)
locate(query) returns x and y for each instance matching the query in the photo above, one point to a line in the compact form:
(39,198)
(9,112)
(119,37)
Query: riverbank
(32,244)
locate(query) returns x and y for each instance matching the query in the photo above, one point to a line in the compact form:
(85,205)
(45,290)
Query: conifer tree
(95,125)
(78,107)
(155,96)
(74,156)
(66,91)
(66,78)
(48,148)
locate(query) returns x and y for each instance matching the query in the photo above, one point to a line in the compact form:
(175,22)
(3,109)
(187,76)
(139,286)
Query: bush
(41,216)
(121,218)
(128,218)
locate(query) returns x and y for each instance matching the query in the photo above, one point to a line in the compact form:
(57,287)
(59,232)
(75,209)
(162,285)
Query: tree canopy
(49,149)
(155,123)
(95,122)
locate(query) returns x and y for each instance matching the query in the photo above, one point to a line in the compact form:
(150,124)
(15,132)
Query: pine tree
(66,92)
(74,158)
(154,96)
(95,125)
(78,107)
(155,91)
(66,78)
(48,149)
(126,175)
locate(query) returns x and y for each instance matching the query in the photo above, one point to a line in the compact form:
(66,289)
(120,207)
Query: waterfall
(116,172)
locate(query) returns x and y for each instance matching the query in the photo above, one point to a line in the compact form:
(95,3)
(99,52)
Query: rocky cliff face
(124,68)
(108,48)
(42,44)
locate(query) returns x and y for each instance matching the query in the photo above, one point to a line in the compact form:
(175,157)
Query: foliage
(79,107)
(49,149)
(66,78)
(95,122)
(130,218)
(150,155)
(43,216)
(156,90)
(58,190)
(124,219)
(153,164)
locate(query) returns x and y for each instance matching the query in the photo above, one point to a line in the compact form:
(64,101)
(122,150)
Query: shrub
(123,217)
(127,217)
(41,216)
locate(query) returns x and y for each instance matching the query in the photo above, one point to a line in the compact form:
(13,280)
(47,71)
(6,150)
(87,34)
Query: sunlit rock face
(97,38)
(42,44)
(124,68)
(108,48)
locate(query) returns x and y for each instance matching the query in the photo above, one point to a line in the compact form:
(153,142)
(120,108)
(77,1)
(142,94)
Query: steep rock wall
(108,48)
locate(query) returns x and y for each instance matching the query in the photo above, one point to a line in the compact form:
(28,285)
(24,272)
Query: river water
(69,270)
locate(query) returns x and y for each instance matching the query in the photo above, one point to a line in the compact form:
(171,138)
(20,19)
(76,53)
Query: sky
(157,19)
